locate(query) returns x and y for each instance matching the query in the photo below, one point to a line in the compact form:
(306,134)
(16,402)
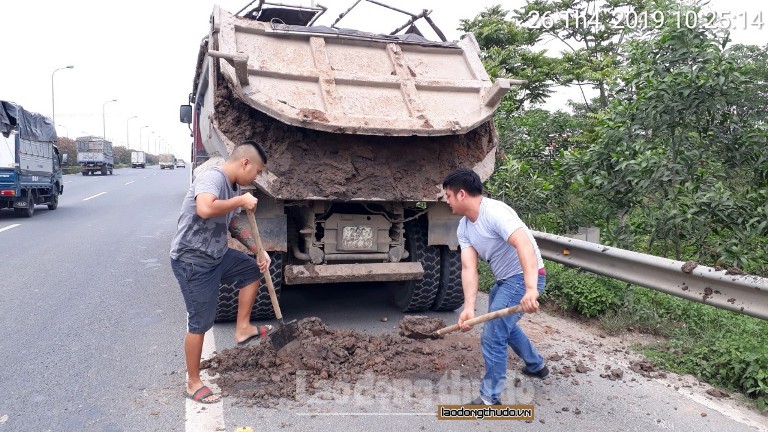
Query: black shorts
(200,285)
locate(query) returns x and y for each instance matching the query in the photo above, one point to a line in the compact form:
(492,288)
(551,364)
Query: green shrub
(586,293)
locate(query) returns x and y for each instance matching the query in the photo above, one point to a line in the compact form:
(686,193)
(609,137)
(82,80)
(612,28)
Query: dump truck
(167,160)
(30,162)
(360,129)
(95,154)
(138,159)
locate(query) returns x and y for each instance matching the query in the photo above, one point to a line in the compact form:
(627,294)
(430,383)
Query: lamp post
(128,131)
(53,93)
(65,128)
(103,118)
(148,147)
(140,131)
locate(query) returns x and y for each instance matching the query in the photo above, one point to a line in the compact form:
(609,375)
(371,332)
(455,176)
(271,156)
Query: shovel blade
(285,334)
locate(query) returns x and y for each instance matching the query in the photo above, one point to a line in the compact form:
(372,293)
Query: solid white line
(69,181)
(212,417)
(366,414)
(91,197)
(132,181)
(9,227)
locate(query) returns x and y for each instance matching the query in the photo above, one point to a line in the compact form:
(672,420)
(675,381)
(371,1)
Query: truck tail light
(7,192)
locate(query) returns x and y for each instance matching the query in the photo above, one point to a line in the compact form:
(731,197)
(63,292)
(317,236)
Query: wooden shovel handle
(482,318)
(267,275)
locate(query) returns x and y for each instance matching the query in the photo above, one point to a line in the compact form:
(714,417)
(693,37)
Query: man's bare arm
(527,255)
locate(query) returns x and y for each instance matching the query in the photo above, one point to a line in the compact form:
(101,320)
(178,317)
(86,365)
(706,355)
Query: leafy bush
(588,294)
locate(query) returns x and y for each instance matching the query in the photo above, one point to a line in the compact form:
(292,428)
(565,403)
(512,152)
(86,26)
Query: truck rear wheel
(418,295)
(451,294)
(26,212)
(54,203)
(226,310)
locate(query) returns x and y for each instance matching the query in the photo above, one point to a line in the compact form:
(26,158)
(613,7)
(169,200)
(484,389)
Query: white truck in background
(138,159)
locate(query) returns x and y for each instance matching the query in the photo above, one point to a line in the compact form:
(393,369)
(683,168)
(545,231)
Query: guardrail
(740,293)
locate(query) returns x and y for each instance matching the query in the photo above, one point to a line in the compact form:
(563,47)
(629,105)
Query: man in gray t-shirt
(202,261)
(491,230)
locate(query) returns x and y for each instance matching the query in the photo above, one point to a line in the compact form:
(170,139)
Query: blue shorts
(200,285)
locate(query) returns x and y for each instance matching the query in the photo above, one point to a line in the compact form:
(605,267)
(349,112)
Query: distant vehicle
(138,159)
(30,163)
(167,160)
(95,154)
(180,163)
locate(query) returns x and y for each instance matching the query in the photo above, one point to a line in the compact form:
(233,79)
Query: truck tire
(85,173)
(226,310)
(54,203)
(451,294)
(103,171)
(419,295)
(26,212)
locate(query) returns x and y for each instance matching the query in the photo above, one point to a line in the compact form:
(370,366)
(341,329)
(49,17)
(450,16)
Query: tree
(666,147)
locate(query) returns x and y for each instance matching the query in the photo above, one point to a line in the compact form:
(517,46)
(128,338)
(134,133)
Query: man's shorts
(200,285)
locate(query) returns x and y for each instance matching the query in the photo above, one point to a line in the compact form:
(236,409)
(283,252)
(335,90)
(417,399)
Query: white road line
(94,196)
(133,181)
(347,414)
(68,181)
(9,227)
(212,417)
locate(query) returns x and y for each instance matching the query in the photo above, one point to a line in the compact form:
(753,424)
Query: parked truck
(30,162)
(95,154)
(167,160)
(138,159)
(360,129)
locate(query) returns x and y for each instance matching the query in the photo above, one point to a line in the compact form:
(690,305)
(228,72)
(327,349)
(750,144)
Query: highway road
(93,323)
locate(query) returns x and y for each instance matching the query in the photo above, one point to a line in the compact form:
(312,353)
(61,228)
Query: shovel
(437,334)
(285,333)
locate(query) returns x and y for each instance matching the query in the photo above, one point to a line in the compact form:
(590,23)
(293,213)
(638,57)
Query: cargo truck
(138,159)
(95,154)
(30,162)
(167,160)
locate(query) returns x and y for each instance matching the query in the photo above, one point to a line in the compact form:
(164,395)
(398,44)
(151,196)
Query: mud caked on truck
(360,129)
(30,162)
(95,154)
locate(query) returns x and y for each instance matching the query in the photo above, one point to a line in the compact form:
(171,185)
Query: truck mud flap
(335,273)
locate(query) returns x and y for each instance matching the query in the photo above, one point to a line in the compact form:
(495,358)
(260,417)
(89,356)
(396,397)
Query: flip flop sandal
(200,395)
(264,331)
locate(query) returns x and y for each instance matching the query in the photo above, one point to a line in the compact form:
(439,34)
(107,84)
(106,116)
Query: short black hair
(464,178)
(259,149)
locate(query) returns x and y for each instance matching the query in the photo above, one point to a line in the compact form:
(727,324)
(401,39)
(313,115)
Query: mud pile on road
(342,166)
(261,376)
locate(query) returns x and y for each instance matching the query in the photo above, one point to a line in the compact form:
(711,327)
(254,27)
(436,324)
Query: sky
(142,53)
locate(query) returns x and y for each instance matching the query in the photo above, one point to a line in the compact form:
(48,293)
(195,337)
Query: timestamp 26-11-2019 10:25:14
(645,20)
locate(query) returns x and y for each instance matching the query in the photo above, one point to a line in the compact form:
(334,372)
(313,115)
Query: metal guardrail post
(745,294)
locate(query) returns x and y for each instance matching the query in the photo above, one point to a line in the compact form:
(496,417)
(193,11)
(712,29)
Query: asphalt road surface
(93,323)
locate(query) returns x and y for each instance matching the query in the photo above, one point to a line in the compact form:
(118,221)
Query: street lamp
(148,147)
(65,128)
(128,131)
(103,118)
(140,142)
(53,98)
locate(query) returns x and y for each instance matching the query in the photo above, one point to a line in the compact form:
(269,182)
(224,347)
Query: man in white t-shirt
(491,230)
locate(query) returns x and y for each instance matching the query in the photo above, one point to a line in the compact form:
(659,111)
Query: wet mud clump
(420,327)
(342,166)
(319,355)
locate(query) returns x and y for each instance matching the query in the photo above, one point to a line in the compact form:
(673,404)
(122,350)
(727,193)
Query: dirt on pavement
(261,376)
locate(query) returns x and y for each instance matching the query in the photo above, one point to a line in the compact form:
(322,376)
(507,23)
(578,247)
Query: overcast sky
(143,54)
